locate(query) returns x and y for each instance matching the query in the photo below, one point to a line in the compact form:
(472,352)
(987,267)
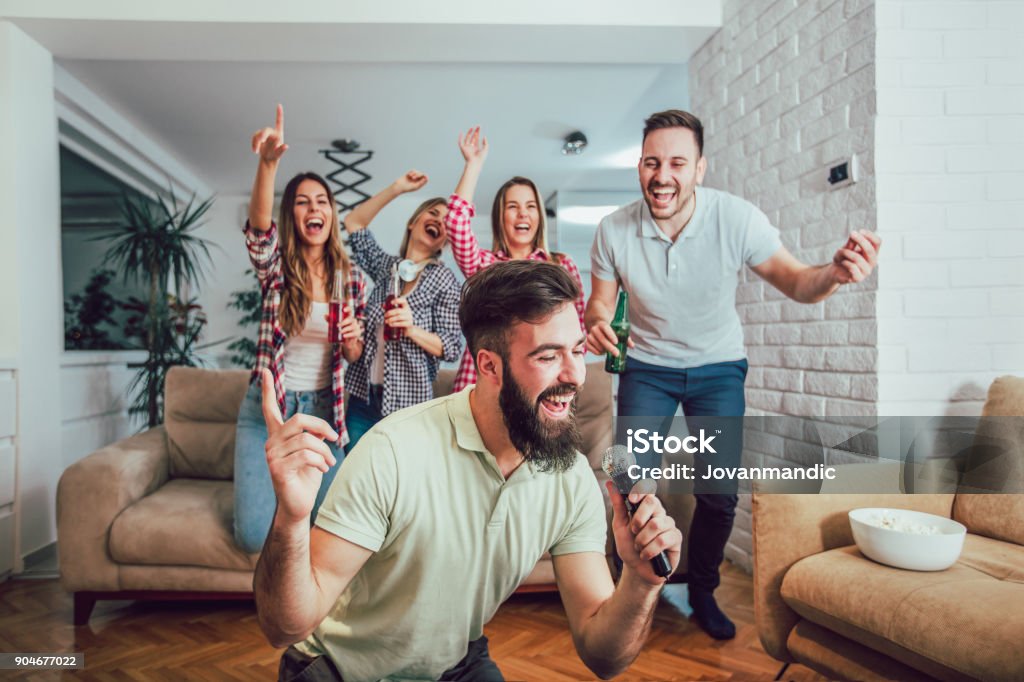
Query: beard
(551,446)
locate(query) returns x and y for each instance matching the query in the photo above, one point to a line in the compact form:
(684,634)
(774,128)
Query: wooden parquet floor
(214,641)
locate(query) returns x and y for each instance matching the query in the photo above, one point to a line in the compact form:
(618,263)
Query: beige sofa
(151,516)
(821,603)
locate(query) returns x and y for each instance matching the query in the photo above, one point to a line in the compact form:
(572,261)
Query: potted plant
(249,303)
(155,246)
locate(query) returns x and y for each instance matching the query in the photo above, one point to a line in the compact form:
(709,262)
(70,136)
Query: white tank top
(307,357)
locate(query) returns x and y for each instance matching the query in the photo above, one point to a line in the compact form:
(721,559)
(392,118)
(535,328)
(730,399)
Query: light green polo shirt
(452,539)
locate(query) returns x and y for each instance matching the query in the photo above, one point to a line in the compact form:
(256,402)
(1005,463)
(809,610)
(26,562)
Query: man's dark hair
(507,293)
(676,118)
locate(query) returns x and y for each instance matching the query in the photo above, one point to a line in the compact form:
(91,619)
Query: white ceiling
(404,91)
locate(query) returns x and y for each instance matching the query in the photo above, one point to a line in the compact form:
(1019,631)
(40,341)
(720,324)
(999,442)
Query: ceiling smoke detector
(575,143)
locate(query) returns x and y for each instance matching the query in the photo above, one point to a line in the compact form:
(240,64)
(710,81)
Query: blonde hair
(296,297)
(540,240)
(420,210)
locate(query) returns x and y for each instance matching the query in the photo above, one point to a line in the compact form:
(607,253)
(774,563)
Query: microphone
(616,462)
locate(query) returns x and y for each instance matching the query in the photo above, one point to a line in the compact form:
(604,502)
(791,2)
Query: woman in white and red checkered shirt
(297,262)
(518,229)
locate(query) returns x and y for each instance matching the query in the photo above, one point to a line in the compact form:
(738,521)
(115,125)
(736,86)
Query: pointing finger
(271,410)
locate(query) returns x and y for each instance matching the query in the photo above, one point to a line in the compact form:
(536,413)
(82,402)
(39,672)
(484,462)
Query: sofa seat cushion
(962,622)
(187,522)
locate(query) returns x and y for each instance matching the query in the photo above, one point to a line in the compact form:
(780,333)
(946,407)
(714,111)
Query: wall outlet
(842,172)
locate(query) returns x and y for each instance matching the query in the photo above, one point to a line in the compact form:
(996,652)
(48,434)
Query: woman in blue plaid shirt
(392,374)
(297,262)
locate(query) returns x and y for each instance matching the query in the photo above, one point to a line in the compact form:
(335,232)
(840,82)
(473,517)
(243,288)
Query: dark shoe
(709,617)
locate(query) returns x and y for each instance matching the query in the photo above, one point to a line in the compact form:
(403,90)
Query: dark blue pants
(705,393)
(361,415)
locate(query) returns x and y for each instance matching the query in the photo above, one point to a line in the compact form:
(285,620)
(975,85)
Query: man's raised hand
(297,455)
(857,258)
(269,142)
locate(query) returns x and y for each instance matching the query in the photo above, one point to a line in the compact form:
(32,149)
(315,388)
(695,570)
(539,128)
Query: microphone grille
(616,460)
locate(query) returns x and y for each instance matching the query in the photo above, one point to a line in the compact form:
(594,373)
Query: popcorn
(891,521)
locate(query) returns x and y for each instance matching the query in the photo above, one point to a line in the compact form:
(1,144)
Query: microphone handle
(662,568)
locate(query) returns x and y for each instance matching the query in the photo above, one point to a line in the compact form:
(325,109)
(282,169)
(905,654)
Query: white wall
(30,304)
(951,202)
(577,215)
(95,401)
(784,88)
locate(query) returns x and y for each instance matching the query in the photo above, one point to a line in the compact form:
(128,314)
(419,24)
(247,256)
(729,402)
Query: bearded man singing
(442,510)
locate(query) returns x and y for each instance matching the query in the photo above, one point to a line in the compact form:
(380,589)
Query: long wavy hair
(420,210)
(297,297)
(540,239)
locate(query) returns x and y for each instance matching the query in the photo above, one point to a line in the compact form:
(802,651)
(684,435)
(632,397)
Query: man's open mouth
(557,406)
(663,196)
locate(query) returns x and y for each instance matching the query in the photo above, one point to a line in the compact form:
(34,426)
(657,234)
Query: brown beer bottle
(620,325)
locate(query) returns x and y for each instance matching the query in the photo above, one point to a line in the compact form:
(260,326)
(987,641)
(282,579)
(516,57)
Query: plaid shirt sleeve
(468,254)
(573,270)
(368,255)
(264,253)
(357,292)
(446,319)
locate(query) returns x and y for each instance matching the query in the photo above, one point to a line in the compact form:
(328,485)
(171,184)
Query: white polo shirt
(452,539)
(682,295)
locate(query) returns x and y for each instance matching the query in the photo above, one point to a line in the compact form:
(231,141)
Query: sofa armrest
(92,493)
(788,528)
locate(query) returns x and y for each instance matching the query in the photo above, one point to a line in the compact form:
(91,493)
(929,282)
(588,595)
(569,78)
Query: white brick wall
(951,201)
(789,85)
(785,87)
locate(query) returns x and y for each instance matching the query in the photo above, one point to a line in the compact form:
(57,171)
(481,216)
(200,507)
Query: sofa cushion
(995,516)
(996,462)
(188,522)
(962,622)
(200,411)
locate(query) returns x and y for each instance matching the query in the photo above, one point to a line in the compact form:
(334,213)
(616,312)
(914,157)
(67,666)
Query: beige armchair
(819,602)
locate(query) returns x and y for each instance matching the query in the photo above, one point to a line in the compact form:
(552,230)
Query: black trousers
(476,666)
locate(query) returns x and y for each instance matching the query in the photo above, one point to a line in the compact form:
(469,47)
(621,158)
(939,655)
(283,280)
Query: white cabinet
(8,467)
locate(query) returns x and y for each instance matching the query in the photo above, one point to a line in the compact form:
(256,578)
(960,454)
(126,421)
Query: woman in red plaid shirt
(298,263)
(518,229)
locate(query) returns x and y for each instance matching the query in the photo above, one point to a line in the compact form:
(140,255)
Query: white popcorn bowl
(908,550)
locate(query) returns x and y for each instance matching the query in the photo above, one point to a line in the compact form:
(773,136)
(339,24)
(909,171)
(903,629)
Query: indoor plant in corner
(155,246)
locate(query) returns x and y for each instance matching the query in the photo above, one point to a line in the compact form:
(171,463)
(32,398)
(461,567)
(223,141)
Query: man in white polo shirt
(442,509)
(678,253)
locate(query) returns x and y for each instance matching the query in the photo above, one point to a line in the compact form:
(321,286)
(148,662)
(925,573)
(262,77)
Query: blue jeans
(255,501)
(362,415)
(705,393)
